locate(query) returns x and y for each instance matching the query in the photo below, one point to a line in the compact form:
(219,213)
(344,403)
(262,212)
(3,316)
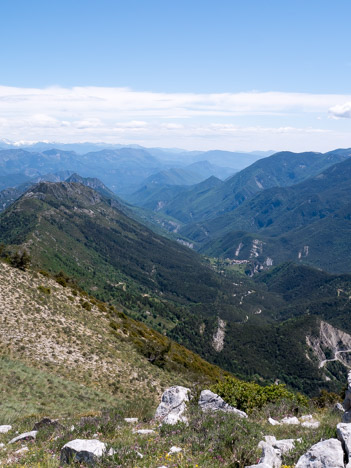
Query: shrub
(248,395)
(44,289)
(21,261)
(86,305)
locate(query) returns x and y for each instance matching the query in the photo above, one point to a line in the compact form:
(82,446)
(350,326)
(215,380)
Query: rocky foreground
(175,416)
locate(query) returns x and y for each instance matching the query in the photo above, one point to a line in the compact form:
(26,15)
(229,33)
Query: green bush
(44,289)
(248,395)
(86,305)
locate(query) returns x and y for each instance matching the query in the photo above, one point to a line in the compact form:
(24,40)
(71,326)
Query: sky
(235,75)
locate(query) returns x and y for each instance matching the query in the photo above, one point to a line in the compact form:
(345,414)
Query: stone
(285,445)
(173,405)
(269,456)
(131,420)
(273,422)
(325,454)
(306,417)
(174,449)
(82,450)
(144,431)
(293,421)
(273,449)
(269,439)
(25,436)
(210,402)
(22,450)
(5,428)
(339,408)
(311,424)
(343,431)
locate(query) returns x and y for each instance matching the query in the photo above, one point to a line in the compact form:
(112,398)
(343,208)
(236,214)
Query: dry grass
(44,326)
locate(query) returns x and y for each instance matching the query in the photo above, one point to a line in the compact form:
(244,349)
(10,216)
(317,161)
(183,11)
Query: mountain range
(238,323)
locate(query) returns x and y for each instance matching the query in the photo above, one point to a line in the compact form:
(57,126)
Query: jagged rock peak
(64,190)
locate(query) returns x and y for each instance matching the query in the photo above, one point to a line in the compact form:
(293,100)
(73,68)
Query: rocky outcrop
(82,450)
(325,454)
(219,335)
(333,339)
(344,435)
(173,405)
(210,402)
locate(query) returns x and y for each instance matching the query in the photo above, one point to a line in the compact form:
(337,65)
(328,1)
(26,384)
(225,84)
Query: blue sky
(259,74)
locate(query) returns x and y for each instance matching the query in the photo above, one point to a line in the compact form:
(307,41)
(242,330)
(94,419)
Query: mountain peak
(64,191)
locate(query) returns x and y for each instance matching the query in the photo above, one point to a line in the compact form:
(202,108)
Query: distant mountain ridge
(279,170)
(308,222)
(122,169)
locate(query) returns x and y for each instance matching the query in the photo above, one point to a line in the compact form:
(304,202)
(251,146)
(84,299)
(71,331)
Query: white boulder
(285,445)
(311,424)
(5,428)
(273,422)
(173,405)
(25,436)
(131,420)
(82,450)
(270,457)
(209,402)
(174,449)
(325,454)
(292,421)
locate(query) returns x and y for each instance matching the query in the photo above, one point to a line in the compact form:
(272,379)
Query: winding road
(322,364)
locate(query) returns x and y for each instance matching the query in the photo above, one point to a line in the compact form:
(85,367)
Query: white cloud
(247,120)
(341,111)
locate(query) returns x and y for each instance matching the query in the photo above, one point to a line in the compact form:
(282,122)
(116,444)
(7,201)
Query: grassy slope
(65,357)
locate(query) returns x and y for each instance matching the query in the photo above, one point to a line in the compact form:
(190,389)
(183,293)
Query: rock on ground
(325,454)
(173,405)
(344,435)
(311,424)
(273,422)
(269,456)
(209,402)
(82,450)
(25,436)
(4,429)
(293,421)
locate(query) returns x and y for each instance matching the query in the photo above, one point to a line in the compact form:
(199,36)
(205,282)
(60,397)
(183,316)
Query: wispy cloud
(124,115)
